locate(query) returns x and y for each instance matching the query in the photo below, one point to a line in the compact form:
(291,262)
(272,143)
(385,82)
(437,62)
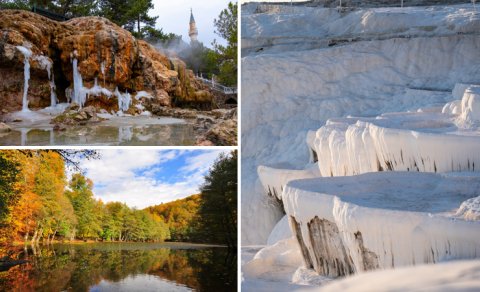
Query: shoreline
(78,242)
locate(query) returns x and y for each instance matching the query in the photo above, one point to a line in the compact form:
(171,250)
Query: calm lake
(123,267)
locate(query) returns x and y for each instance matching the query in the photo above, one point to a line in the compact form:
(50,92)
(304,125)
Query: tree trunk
(34,248)
(72,235)
(138,26)
(40,235)
(34,236)
(53,236)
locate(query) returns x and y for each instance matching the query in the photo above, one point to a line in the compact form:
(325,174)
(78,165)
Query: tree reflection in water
(78,267)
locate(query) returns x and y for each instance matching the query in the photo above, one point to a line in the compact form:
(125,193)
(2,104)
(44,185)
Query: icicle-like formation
(53,95)
(46,64)
(124,100)
(420,141)
(102,69)
(141,94)
(27,53)
(68,94)
(79,94)
(97,90)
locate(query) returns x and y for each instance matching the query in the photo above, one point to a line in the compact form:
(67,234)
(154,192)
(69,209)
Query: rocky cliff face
(102,50)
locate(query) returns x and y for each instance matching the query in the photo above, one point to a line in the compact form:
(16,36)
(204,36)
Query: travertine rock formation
(103,50)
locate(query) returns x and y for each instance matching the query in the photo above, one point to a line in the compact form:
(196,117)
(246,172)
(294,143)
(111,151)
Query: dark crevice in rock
(61,82)
(389,165)
(379,166)
(314,155)
(272,193)
(415,165)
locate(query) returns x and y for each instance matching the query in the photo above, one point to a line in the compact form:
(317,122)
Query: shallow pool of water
(124,131)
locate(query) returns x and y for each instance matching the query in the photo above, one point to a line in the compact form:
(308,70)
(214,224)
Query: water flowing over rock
(67,57)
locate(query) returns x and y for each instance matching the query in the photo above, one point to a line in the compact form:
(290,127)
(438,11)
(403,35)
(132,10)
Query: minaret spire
(192,32)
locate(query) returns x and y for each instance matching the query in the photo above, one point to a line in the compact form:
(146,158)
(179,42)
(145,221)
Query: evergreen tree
(129,14)
(70,8)
(226,27)
(16,4)
(218,208)
(67,8)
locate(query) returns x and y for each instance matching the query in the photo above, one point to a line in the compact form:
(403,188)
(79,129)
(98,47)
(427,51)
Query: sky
(174,16)
(147,177)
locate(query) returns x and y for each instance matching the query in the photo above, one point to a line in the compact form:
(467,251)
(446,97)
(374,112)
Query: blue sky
(174,16)
(146,177)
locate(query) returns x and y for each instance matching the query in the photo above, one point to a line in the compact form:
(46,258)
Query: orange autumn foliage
(26,212)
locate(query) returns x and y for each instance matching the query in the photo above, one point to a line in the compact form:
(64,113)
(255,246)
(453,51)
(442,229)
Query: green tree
(113,225)
(217,215)
(138,14)
(15,4)
(71,8)
(68,8)
(66,220)
(8,177)
(129,14)
(179,217)
(84,205)
(226,27)
(153,35)
(50,183)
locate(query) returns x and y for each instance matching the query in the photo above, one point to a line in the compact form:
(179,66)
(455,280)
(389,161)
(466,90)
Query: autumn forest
(44,198)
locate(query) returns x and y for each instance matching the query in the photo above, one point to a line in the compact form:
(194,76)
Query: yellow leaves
(25,213)
(40,184)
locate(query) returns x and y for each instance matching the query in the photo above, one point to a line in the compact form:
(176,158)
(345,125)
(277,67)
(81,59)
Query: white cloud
(201,162)
(143,192)
(129,176)
(116,164)
(152,172)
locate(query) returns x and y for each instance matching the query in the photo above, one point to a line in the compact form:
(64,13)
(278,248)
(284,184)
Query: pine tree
(218,209)
(226,27)
(129,14)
